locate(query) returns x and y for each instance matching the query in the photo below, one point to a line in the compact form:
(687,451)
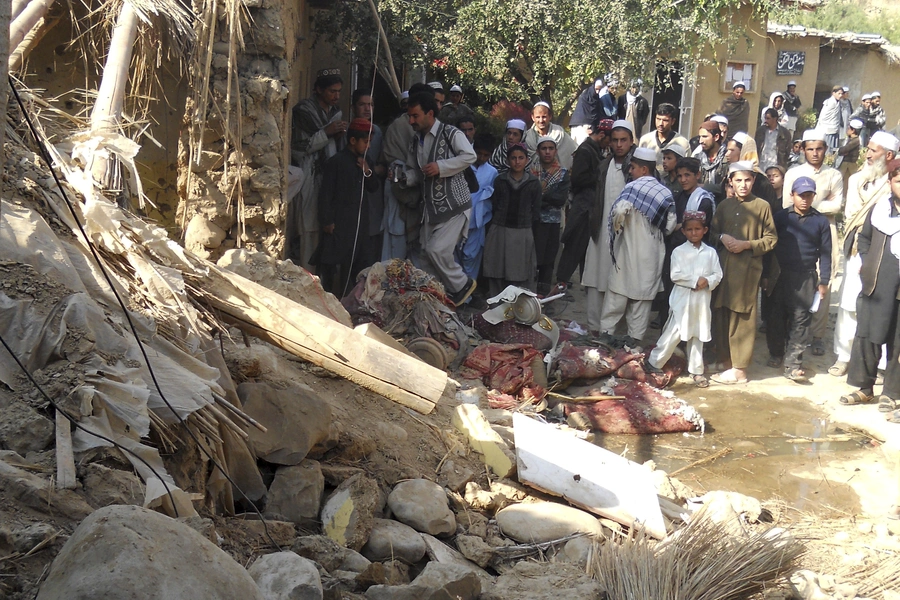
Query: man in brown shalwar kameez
(742,231)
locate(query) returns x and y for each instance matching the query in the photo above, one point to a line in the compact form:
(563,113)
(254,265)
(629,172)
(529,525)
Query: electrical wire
(362,188)
(78,425)
(45,155)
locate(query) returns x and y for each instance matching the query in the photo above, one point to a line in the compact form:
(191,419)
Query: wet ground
(775,439)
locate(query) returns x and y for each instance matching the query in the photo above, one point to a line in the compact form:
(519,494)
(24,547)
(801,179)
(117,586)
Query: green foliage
(538,49)
(838,16)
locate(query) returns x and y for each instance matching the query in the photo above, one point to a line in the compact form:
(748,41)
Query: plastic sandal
(887,404)
(857,397)
(701,381)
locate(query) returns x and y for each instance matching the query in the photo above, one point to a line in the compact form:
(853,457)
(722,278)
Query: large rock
(286,576)
(126,552)
(22,428)
(436,582)
(391,540)
(349,512)
(540,581)
(422,505)
(545,521)
(296,492)
(104,486)
(329,554)
(296,418)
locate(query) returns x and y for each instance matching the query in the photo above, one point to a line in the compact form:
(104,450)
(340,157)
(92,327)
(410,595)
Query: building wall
(806,83)
(883,77)
(710,91)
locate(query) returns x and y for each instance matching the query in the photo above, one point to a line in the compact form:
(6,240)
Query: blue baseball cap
(803,185)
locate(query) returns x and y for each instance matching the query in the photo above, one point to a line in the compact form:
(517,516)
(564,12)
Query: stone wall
(210,197)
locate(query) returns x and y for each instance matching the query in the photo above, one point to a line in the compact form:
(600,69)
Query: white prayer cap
(885,140)
(741,165)
(456,88)
(791,82)
(876,94)
(598,83)
(623,124)
(545,138)
(813,135)
(676,149)
(856,124)
(738,84)
(719,119)
(866,97)
(436,85)
(516,124)
(740,137)
(647,154)
(845,88)
(542,103)
(404,95)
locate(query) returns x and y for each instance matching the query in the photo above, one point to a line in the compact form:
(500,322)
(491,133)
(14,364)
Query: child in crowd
(775,175)
(804,239)
(509,253)
(670,158)
(344,248)
(695,273)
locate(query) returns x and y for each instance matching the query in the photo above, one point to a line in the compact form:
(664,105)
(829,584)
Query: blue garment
(608,105)
(802,242)
(471,250)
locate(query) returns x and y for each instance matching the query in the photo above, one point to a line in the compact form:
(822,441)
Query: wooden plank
(311,328)
(374,332)
(495,452)
(304,332)
(65,459)
(586,475)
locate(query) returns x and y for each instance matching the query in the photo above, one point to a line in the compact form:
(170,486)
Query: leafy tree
(839,16)
(539,49)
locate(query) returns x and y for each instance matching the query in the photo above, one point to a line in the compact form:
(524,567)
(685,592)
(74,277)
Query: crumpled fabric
(506,368)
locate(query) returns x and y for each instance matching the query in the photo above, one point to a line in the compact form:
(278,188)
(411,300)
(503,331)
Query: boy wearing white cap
(640,218)
(670,157)
(455,110)
(829,201)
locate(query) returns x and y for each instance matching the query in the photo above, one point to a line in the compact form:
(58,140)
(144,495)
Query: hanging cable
(45,155)
(362,190)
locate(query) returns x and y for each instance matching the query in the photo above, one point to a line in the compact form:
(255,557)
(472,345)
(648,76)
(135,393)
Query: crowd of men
(544,203)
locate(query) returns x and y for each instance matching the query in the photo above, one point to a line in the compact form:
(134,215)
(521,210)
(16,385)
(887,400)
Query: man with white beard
(864,189)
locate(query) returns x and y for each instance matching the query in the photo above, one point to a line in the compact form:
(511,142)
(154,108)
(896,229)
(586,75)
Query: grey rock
(422,505)
(296,492)
(329,554)
(104,486)
(545,521)
(23,538)
(475,549)
(296,418)
(22,428)
(391,540)
(286,576)
(123,552)
(457,581)
(348,513)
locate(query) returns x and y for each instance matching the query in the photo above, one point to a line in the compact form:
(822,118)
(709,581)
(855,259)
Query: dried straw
(700,562)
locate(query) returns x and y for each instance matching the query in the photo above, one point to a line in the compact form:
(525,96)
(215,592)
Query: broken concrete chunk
(286,576)
(455,477)
(545,522)
(471,422)
(349,512)
(458,582)
(109,556)
(296,419)
(104,486)
(480,499)
(22,428)
(296,492)
(475,549)
(329,554)
(422,505)
(391,540)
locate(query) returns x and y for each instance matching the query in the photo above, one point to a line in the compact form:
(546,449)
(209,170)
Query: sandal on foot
(887,404)
(818,347)
(701,381)
(796,375)
(775,362)
(838,369)
(893,417)
(728,378)
(857,397)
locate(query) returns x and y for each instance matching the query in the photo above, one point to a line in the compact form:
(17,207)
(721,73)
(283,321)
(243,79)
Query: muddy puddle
(756,444)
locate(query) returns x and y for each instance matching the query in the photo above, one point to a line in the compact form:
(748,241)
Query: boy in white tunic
(696,273)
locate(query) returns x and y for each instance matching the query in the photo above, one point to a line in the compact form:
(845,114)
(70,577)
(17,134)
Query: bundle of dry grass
(703,561)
